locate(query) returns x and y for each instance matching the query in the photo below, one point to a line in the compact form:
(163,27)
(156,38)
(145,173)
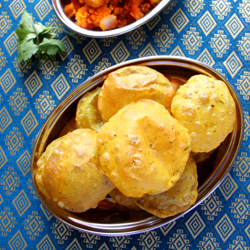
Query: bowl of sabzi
(106,18)
(137,146)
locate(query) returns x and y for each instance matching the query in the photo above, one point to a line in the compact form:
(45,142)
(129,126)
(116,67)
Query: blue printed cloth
(215,32)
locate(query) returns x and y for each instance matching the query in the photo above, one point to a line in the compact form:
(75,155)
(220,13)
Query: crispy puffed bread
(121,199)
(68,172)
(143,149)
(176,82)
(130,84)
(206,108)
(87,115)
(201,157)
(69,126)
(177,199)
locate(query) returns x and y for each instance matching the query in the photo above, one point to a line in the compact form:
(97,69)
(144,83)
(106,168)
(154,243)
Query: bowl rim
(57,7)
(154,222)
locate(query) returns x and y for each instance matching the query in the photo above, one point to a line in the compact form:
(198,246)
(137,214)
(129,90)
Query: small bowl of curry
(106,18)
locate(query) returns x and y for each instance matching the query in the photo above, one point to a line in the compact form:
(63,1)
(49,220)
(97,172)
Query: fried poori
(68,172)
(87,115)
(69,126)
(143,149)
(130,84)
(201,157)
(175,200)
(176,82)
(121,199)
(206,108)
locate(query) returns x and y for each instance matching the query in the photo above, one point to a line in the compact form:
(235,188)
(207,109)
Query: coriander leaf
(26,49)
(51,46)
(30,36)
(21,34)
(26,27)
(40,28)
(26,22)
(36,39)
(47,35)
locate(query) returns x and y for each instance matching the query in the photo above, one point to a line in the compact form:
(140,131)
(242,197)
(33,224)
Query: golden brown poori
(206,108)
(132,83)
(123,200)
(143,149)
(87,115)
(69,126)
(176,82)
(177,199)
(137,139)
(68,172)
(201,157)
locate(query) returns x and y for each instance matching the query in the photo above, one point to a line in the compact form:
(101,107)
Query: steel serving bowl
(113,219)
(58,8)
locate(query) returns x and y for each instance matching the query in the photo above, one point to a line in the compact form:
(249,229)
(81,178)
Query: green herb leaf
(36,39)
(51,46)
(30,36)
(26,22)
(26,50)
(40,28)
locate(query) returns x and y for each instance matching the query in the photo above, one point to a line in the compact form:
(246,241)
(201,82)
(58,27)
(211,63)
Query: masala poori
(137,139)
(68,172)
(143,149)
(123,200)
(87,115)
(206,108)
(132,83)
(177,199)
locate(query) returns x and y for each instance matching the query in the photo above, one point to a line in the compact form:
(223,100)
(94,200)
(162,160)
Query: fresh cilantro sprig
(35,39)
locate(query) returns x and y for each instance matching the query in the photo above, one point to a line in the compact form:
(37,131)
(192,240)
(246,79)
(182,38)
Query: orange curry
(107,14)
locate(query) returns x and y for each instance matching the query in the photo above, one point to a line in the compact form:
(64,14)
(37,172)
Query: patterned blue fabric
(215,32)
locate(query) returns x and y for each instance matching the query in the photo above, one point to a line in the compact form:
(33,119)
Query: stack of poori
(137,139)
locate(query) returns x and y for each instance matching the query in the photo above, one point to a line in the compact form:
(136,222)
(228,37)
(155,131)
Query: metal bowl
(113,219)
(58,8)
